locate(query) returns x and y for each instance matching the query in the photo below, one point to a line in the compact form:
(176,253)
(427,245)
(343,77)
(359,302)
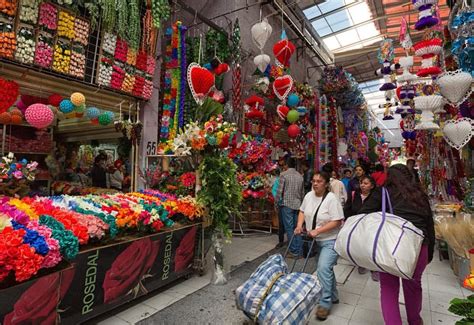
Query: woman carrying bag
(410,202)
(322,213)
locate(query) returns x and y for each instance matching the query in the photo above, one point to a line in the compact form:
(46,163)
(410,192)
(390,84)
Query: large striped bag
(272,296)
(381,242)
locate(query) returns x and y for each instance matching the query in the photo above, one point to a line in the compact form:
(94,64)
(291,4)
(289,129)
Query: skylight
(333,20)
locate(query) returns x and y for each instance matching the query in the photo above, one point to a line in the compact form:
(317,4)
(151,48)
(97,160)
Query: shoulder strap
(317,210)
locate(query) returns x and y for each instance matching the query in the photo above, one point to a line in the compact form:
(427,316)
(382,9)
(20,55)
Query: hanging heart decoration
(282,111)
(282,86)
(455,85)
(262,61)
(283,50)
(458,133)
(200,82)
(9,92)
(261,33)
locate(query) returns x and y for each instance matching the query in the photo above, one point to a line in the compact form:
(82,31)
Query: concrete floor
(194,301)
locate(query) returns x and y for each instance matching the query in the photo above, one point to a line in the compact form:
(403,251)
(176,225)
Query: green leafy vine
(107,8)
(160,10)
(122,18)
(134,27)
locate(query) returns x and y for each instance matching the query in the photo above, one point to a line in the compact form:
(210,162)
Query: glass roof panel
(312,12)
(367,31)
(359,13)
(331,5)
(339,20)
(322,27)
(348,37)
(332,43)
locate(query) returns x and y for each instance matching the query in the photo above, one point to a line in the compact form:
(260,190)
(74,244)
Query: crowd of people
(316,204)
(113,176)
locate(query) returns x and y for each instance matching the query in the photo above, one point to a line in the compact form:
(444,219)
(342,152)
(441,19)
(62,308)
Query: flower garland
(182,88)
(167,94)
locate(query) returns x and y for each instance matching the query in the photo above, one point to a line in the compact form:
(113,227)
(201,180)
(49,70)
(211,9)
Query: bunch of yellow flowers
(66,25)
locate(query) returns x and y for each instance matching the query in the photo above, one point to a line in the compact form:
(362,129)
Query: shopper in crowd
(354,184)
(99,172)
(354,204)
(411,163)
(307,176)
(379,175)
(347,178)
(117,176)
(289,197)
(410,202)
(336,186)
(281,229)
(322,213)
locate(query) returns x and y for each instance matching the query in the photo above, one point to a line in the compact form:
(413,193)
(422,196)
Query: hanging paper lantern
(292,100)
(39,116)
(293,131)
(104,119)
(283,50)
(78,99)
(92,113)
(9,91)
(282,111)
(5,118)
(262,61)
(66,106)
(293,116)
(55,100)
(261,33)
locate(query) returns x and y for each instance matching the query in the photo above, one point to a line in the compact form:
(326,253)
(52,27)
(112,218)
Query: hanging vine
(149,36)
(122,18)
(93,11)
(161,10)
(108,14)
(134,28)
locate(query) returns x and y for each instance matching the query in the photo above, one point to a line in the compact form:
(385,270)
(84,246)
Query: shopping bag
(381,242)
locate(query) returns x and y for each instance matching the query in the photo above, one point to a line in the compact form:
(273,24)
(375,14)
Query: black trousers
(281,227)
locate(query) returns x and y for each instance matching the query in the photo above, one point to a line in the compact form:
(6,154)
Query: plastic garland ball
(293,116)
(92,113)
(16,119)
(104,119)
(16,111)
(66,106)
(39,115)
(55,100)
(5,118)
(293,100)
(110,114)
(78,99)
(80,108)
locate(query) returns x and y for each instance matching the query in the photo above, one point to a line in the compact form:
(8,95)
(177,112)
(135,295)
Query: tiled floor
(359,295)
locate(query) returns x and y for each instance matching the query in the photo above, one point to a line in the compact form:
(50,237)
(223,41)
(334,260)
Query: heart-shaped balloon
(262,61)
(282,111)
(455,85)
(261,33)
(282,86)
(200,81)
(283,50)
(457,133)
(9,92)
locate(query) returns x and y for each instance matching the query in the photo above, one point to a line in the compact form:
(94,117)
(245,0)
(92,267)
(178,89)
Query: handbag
(381,241)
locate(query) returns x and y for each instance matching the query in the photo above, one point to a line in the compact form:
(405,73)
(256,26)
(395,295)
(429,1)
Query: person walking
(346,179)
(322,213)
(281,227)
(336,186)
(354,184)
(289,197)
(354,204)
(410,202)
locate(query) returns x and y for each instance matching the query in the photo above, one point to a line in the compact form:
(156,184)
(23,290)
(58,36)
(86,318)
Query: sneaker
(362,270)
(294,256)
(375,276)
(280,245)
(322,313)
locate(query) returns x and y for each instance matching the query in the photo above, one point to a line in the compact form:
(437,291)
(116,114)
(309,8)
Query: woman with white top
(322,213)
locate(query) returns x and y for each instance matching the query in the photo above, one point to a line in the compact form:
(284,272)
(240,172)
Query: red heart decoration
(282,111)
(222,68)
(9,92)
(282,86)
(283,50)
(200,81)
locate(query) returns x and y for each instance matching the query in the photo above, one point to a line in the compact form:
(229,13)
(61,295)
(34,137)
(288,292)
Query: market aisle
(194,301)
(239,251)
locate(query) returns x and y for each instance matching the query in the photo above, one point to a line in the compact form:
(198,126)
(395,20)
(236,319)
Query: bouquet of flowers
(15,175)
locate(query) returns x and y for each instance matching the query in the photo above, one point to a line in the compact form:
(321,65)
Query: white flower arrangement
(109,42)
(29,11)
(105,74)
(25,50)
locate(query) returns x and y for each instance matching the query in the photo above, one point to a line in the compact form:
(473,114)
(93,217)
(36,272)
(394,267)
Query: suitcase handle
(304,233)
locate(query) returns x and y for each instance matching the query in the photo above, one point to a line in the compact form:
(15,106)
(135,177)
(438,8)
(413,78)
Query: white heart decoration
(455,85)
(262,61)
(261,33)
(458,133)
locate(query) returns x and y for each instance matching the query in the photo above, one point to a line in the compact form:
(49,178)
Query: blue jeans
(290,218)
(325,271)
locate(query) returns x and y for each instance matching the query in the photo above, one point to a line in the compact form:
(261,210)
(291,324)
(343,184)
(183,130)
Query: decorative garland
(182,52)
(161,10)
(134,26)
(108,14)
(122,18)
(166,111)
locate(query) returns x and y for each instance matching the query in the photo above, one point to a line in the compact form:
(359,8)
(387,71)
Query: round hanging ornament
(293,116)
(293,131)
(66,106)
(78,99)
(55,100)
(104,119)
(39,116)
(92,113)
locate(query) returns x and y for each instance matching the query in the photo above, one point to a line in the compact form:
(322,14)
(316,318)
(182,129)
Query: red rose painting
(38,304)
(185,251)
(129,268)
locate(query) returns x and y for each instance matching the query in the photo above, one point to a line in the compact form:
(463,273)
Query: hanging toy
(407,124)
(388,115)
(405,95)
(283,50)
(427,16)
(429,50)
(385,55)
(406,63)
(253,107)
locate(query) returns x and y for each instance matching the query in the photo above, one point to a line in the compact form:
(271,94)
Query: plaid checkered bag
(291,300)
(250,294)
